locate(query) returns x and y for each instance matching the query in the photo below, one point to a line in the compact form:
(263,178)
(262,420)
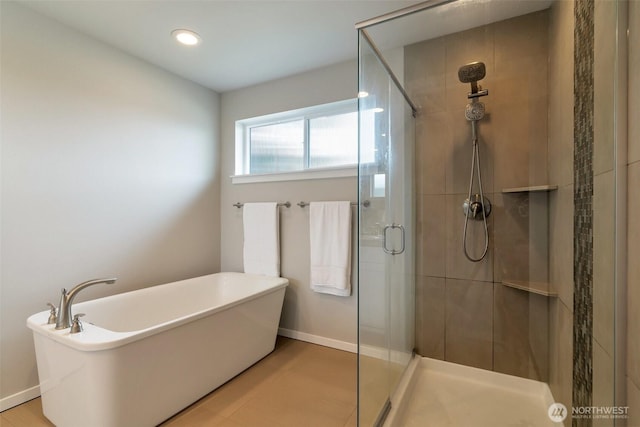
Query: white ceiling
(248,42)
(244,42)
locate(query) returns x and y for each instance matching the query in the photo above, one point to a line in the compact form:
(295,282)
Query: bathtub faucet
(66,299)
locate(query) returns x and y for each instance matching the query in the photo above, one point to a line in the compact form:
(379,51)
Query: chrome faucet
(66,299)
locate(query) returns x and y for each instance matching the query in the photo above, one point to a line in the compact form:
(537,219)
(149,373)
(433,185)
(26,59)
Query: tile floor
(299,384)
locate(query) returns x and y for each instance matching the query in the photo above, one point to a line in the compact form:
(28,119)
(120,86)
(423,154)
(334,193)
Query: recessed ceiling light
(186,37)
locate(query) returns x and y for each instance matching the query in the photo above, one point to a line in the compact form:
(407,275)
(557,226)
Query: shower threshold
(445,394)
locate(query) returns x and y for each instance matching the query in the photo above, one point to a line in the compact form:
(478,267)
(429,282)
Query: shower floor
(445,394)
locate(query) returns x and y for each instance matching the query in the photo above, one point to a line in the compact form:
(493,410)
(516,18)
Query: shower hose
(475,167)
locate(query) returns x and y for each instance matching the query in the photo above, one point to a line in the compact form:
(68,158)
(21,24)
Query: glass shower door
(386,272)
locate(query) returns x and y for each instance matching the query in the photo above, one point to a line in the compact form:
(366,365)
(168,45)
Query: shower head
(471,73)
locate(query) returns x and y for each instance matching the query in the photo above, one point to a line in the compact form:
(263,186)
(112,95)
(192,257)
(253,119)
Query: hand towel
(261,239)
(330,247)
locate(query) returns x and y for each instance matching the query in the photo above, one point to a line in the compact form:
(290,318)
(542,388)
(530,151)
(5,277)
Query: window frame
(243,144)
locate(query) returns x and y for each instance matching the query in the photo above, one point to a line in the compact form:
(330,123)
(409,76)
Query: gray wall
(110,166)
(633,272)
(304,311)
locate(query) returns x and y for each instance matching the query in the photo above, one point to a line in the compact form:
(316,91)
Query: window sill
(319,173)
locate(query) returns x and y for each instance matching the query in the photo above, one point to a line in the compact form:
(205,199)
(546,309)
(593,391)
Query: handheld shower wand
(476,206)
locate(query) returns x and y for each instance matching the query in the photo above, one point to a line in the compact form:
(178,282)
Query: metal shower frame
(410,10)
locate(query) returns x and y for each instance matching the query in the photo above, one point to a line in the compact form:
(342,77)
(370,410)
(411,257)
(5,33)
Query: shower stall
(493,298)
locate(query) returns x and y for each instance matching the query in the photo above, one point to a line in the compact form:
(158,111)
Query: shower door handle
(384,239)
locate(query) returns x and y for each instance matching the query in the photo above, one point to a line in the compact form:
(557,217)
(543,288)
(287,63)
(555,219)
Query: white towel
(330,244)
(261,239)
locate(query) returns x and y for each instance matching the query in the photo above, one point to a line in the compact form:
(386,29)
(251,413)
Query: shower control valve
(475,209)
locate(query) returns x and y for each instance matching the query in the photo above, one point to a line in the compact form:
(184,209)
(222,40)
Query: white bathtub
(147,354)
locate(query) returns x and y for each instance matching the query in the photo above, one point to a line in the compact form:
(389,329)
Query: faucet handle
(76,325)
(52,314)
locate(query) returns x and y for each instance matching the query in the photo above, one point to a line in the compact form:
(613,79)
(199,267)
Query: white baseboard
(19,398)
(316,339)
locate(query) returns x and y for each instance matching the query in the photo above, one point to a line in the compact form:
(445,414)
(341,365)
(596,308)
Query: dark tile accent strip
(583,216)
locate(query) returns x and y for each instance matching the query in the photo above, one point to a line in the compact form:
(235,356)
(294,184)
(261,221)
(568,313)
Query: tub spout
(66,299)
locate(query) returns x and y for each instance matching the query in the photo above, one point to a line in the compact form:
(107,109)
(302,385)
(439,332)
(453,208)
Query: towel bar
(365,203)
(285,204)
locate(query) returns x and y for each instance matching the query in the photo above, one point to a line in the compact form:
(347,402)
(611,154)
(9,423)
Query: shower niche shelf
(539,288)
(532,189)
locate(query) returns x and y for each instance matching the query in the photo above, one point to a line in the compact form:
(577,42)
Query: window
(320,137)
(276,148)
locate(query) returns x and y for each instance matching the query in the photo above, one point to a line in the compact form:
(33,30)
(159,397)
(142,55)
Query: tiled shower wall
(561,68)
(633,198)
(604,204)
(464,314)
(583,195)
(583,374)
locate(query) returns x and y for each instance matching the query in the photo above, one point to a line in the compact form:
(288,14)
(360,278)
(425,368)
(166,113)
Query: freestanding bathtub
(147,354)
